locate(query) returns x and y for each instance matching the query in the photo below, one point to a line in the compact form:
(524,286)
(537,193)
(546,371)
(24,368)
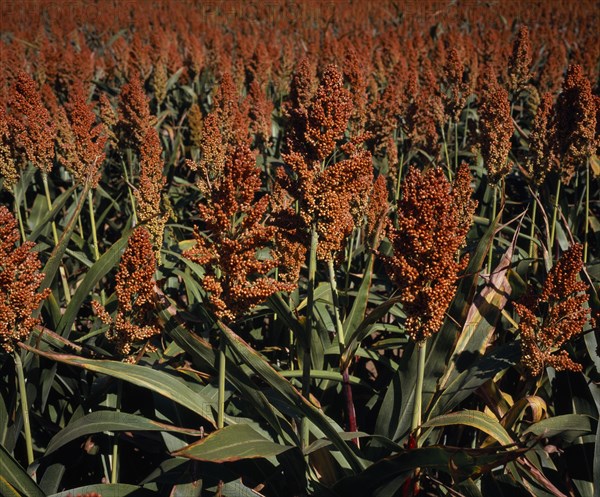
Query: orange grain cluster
(496,129)
(136,130)
(575,122)
(542,158)
(554,317)
(31,126)
(8,168)
(332,195)
(433,220)
(19,284)
(519,64)
(234,245)
(135,319)
(81,140)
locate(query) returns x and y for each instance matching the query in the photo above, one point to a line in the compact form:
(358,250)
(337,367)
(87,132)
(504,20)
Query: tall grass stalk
(417,407)
(445,145)
(221,386)
(20,220)
(114,473)
(554,216)
(24,406)
(532,231)
(63,275)
(346,387)
(130,191)
(306,362)
(494,207)
(587,211)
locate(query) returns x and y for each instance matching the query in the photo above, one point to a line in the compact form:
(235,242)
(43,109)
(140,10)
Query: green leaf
(289,394)
(475,419)
(359,306)
(480,323)
(108,490)
(203,355)
(16,478)
(107,261)
(100,421)
(155,380)
(390,473)
(55,259)
(569,426)
(363,330)
(232,443)
(57,204)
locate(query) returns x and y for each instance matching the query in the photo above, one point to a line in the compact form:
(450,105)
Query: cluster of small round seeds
(433,220)
(134,321)
(19,284)
(31,126)
(556,316)
(496,129)
(575,122)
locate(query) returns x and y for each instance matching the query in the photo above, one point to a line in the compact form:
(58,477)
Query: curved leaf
(109,490)
(289,394)
(54,261)
(100,421)
(475,419)
(567,425)
(160,382)
(107,261)
(17,479)
(232,443)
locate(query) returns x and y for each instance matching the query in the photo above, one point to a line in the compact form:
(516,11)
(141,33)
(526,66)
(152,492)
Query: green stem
(49,204)
(490,253)
(336,305)
(346,387)
(131,196)
(399,178)
(20,219)
(79,222)
(445,144)
(456,146)
(114,474)
(417,408)
(306,362)
(93,225)
(63,274)
(587,211)
(24,407)
(532,232)
(221,392)
(554,215)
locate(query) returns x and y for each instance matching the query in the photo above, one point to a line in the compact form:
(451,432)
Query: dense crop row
(299,248)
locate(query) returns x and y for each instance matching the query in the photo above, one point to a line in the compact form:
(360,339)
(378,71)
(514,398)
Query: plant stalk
(20,219)
(490,253)
(417,408)
(532,232)
(24,407)
(93,225)
(445,145)
(114,473)
(554,215)
(346,387)
(63,274)
(587,211)
(306,362)
(221,394)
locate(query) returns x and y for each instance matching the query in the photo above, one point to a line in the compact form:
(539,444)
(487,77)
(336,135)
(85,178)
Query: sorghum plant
(434,217)
(554,317)
(135,320)
(20,280)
